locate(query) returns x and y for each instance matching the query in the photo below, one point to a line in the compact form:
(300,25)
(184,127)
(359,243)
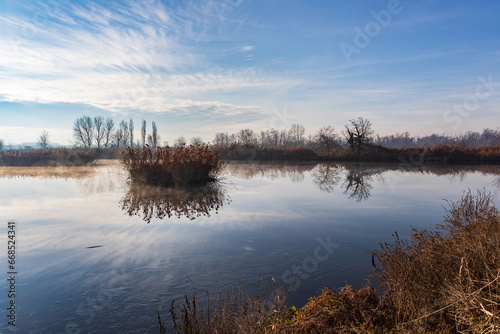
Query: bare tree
(196,141)
(274,137)
(43,140)
(2,144)
(180,142)
(143,132)
(83,131)
(358,133)
(326,138)
(99,129)
(125,133)
(223,138)
(155,135)
(247,136)
(118,137)
(108,131)
(296,134)
(131,131)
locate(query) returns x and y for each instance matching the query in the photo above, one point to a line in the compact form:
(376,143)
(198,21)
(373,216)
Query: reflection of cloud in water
(151,202)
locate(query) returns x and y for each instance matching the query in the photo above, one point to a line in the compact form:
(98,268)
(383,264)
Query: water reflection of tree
(151,202)
(326,176)
(357,179)
(357,184)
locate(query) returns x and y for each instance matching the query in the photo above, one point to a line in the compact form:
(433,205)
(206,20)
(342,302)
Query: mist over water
(101,255)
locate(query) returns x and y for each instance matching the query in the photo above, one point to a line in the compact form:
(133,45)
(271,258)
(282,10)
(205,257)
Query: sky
(201,67)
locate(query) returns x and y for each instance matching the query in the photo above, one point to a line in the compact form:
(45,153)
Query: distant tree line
(98,132)
(487,138)
(356,135)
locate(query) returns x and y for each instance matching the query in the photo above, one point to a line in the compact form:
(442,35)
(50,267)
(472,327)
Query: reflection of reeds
(166,166)
(151,202)
(48,157)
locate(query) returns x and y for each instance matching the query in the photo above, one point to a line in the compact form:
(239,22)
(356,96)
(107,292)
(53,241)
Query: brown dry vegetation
(47,157)
(166,166)
(438,281)
(236,311)
(252,152)
(452,154)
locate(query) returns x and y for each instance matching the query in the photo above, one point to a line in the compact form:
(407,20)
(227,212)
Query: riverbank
(445,280)
(443,154)
(51,157)
(440,154)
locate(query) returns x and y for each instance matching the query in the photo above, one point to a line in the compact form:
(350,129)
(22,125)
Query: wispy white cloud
(245,48)
(130,58)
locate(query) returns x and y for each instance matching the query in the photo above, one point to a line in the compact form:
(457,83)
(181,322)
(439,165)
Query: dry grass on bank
(48,157)
(438,281)
(441,154)
(236,311)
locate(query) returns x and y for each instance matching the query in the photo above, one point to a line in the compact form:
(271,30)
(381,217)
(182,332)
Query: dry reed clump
(236,311)
(48,157)
(166,166)
(446,280)
(346,311)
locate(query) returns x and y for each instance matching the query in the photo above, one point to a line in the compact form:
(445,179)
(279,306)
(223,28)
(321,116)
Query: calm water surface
(95,255)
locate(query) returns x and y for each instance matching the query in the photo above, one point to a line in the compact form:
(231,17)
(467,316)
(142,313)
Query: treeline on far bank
(415,156)
(356,142)
(444,154)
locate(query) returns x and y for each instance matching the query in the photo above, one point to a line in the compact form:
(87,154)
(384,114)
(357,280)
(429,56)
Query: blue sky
(201,67)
